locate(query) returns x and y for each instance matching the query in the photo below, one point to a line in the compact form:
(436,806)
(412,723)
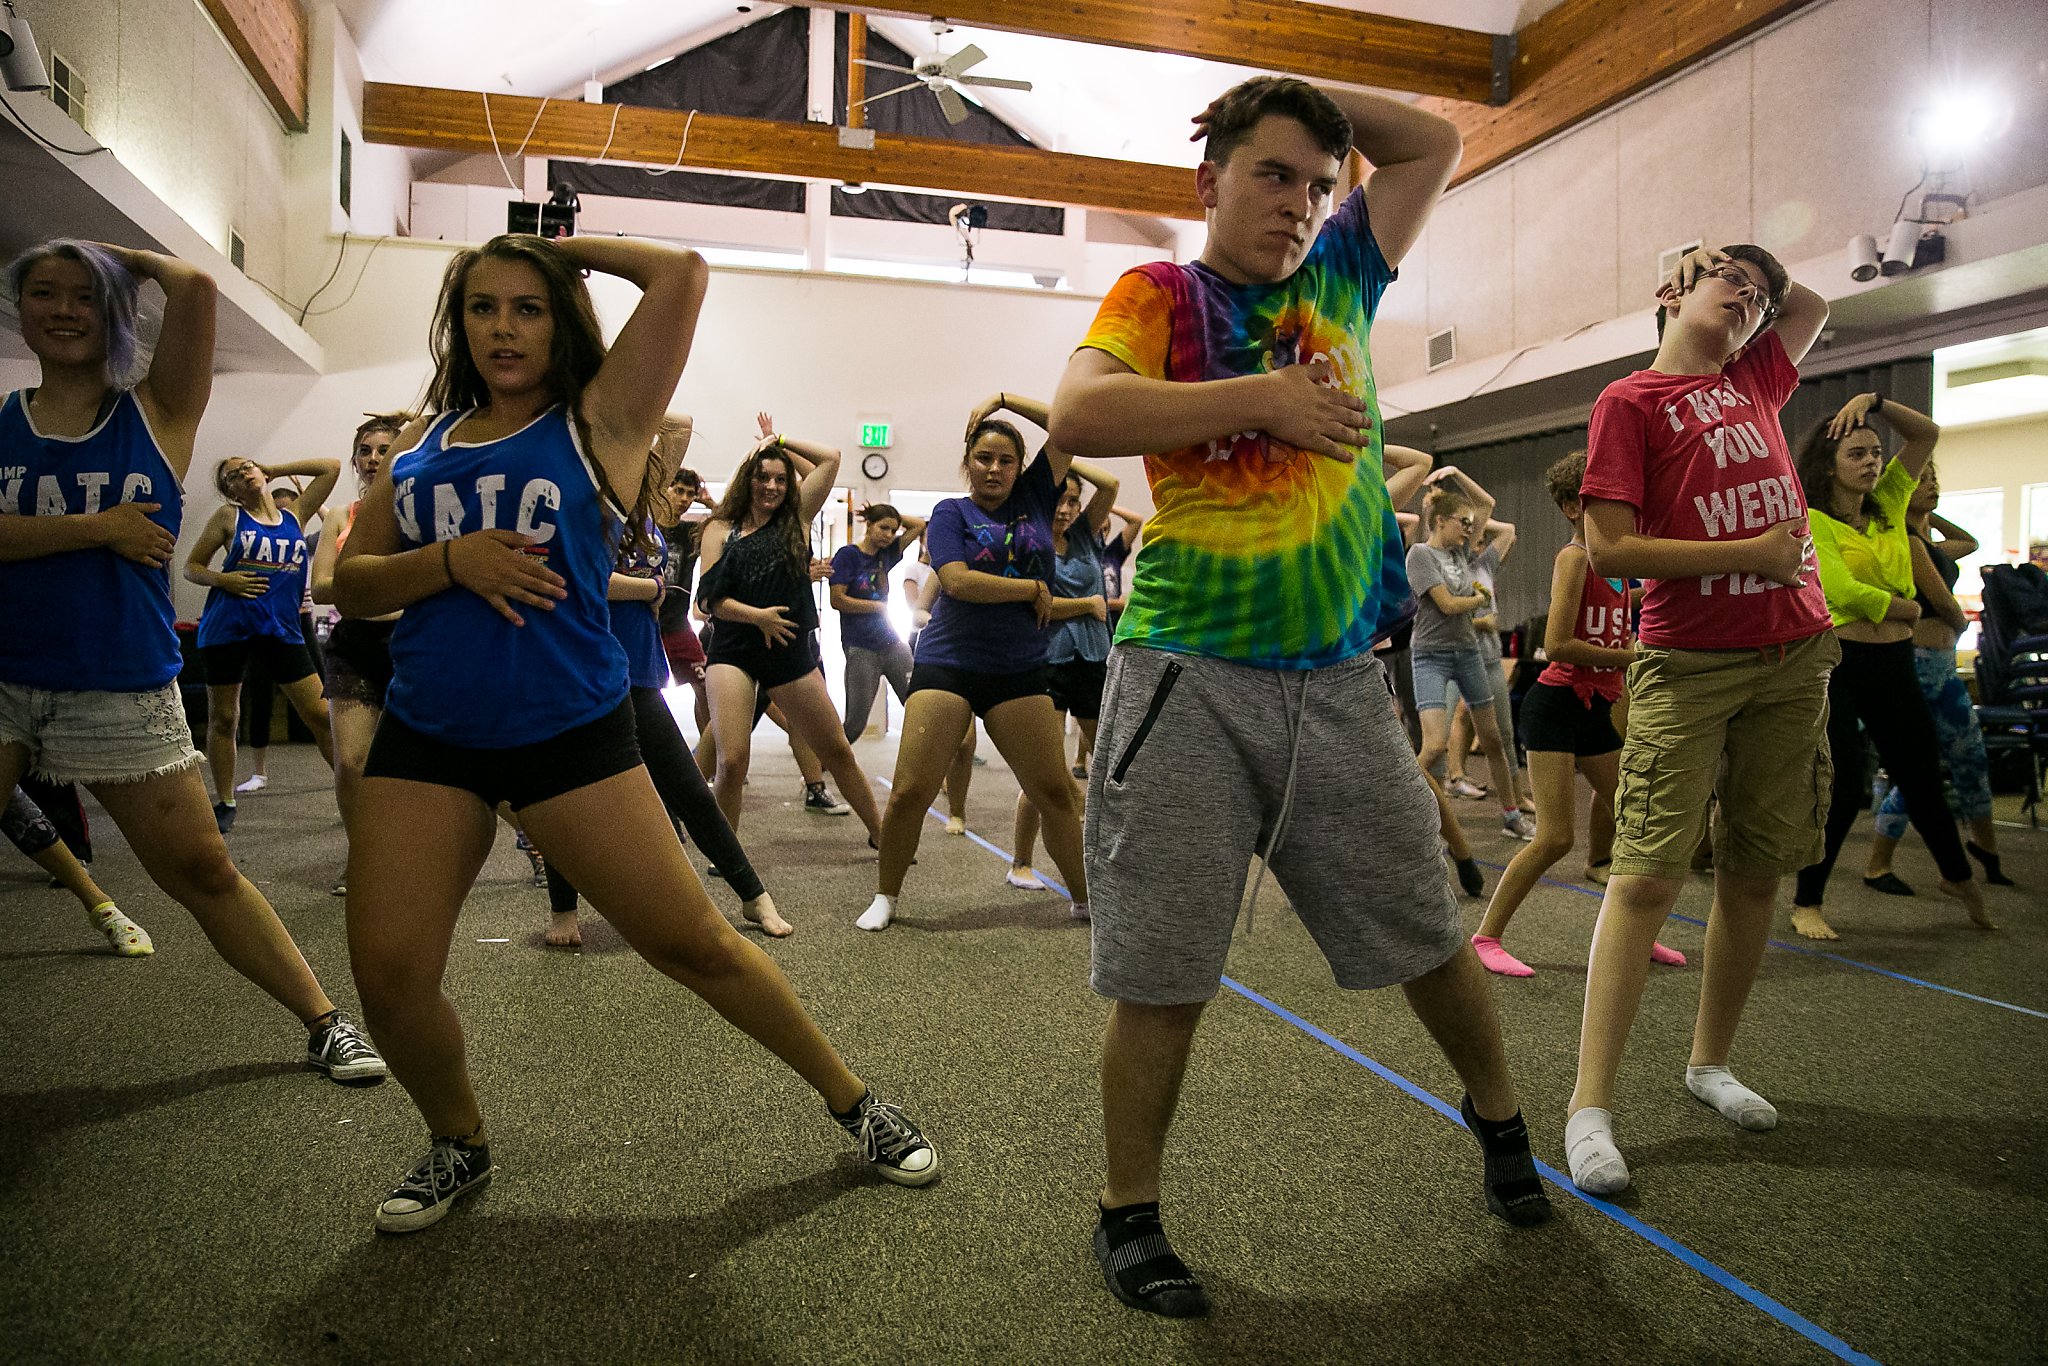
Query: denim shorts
(1436,670)
(98,737)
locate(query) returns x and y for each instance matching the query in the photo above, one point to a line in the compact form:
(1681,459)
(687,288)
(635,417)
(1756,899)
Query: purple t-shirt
(866,576)
(1013,542)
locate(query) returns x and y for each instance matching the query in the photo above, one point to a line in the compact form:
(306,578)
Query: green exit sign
(874,436)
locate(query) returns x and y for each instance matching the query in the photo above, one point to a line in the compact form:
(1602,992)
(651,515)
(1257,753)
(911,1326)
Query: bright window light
(914,270)
(761,260)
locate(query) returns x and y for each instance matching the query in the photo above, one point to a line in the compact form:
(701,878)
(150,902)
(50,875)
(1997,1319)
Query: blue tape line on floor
(1663,1242)
(1727,1280)
(1818,953)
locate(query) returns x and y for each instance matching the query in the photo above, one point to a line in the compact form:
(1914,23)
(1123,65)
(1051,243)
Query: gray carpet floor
(175,1186)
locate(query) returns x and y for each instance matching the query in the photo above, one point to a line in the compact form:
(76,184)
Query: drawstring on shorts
(1294,708)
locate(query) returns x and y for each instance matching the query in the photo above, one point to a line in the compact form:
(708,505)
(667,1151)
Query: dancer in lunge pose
(756,583)
(1688,485)
(1856,502)
(1077,656)
(89,662)
(29,830)
(1941,624)
(252,607)
(983,654)
(1568,717)
(860,594)
(1245,715)
(490,530)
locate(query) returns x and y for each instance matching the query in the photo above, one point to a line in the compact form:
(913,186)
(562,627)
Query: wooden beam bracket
(1503,69)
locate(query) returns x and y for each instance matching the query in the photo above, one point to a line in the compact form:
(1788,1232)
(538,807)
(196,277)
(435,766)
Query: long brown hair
(574,357)
(786,521)
(1815,465)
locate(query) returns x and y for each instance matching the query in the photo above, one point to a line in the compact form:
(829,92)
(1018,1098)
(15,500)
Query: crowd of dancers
(530,562)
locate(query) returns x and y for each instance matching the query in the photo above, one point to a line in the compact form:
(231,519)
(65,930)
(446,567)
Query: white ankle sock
(878,914)
(1737,1103)
(1024,881)
(1596,1163)
(1078,910)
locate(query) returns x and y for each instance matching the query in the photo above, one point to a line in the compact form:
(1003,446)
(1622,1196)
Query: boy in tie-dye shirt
(1245,715)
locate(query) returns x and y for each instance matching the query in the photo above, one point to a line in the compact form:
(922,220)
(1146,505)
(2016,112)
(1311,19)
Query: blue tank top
(460,672)
(634,623)
(86,620)
(278,555)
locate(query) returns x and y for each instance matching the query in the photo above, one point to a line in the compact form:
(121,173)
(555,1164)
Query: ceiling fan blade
(914,85)
(993,80)
(886,66)
(969,56)
(950,101)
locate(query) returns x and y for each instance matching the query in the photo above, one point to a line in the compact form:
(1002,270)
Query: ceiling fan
(943,75)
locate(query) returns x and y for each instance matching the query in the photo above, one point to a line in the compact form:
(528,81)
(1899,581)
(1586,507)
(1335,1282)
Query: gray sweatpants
(865,670)
(1190,776)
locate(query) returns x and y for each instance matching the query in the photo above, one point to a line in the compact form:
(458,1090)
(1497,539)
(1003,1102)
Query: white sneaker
(255,782)
(879,913)
(1517,826)
(1464,789)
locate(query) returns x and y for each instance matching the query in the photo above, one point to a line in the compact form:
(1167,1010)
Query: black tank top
(756,570)
(1943,566)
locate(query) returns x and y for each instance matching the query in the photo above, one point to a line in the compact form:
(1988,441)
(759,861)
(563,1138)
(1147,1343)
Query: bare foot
(761,911)
(1810,923)
(955,825)
(1972,897)
(563,931)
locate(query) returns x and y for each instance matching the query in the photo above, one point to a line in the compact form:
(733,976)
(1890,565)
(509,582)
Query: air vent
(236,252)
(1668,259)
(1443,348)
(68,91)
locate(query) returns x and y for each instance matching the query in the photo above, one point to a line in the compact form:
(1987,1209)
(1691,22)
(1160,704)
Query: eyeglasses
(1738,279)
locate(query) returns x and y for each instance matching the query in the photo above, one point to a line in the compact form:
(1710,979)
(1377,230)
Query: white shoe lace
(886,1133)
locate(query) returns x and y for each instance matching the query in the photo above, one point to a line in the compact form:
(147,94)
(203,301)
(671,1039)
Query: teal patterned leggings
(1962,743)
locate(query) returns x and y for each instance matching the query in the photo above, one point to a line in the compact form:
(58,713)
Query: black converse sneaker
(448,1172)
(889,1140)
(819,802)
(339,1049)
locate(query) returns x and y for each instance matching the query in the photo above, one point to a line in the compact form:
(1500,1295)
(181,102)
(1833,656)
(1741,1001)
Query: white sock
(1078,910)
(1737,1103)
(878,914)
(1025,881)
(1596,1163)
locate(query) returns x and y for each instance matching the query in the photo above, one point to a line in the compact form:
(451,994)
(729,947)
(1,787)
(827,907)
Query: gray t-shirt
(1427,567)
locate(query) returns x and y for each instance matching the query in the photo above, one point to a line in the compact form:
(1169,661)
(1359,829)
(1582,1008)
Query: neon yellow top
(1861,571)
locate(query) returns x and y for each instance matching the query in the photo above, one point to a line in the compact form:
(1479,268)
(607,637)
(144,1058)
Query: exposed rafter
(455,121)
(1318,41)
(1587,55)
(270,38)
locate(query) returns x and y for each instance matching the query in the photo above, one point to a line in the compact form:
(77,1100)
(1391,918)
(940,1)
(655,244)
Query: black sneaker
(448,1172)
(819,802)
(223,816)
(888,1139)
(339,1049)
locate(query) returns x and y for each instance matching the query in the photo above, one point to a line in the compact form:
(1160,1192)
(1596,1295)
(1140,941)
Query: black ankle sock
(1513,1190)
(849,1119)
(1140,1266)
(1992,873)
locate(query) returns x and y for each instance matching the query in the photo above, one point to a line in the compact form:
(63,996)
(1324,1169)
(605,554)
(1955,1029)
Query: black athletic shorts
(984,692)
(1555,721)
(769,668)
(359,661)
(520,775)
(1076,686)
(225,665)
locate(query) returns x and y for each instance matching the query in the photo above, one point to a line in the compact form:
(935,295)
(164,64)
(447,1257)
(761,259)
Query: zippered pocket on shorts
(1158,704)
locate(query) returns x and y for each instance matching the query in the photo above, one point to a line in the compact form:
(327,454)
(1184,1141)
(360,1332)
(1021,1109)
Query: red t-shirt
(1602,621)
(1703,458)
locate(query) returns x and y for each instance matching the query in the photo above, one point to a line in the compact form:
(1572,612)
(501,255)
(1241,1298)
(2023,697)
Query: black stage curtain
(760,72)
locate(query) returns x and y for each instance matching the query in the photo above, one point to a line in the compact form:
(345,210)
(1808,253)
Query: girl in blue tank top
(490,532)
(252,608)
(90,475)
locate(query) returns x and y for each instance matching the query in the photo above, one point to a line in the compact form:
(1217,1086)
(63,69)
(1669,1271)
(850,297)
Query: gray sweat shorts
(1191,760)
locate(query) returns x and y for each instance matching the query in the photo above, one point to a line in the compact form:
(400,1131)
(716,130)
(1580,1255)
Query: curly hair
(1238,111)
(787,519)
(1564,478)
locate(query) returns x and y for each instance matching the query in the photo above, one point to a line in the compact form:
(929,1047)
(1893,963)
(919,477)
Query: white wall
(1998,455)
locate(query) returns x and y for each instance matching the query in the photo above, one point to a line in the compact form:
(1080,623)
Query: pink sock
(1494,958)
(1670,958)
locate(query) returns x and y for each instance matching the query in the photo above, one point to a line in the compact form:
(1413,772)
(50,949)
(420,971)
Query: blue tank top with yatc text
(275,554)
(461,672)
(86,620)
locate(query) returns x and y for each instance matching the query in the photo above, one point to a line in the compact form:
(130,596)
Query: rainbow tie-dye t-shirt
(1260,552)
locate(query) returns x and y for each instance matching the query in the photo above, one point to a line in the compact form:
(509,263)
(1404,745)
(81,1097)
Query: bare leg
(169,826)
(223,714)
(813,720)
(1024,838)
(732,732)
(1738,929)
(1554,778)
(1493,745)
(958,779)
(306,700)
(1460,748)
(1436,728)
(806,755)
(933,722)
(355,726)
(1144,1057)
(1447,823)
(1882,847)
(1455,1004)
(70,874)
(1631,913)
(1026,732)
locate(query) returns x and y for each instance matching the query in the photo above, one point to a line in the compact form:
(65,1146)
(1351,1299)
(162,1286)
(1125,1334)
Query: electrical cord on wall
(22,123)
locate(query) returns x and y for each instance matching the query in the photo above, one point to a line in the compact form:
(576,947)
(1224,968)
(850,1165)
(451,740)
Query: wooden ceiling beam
(270,38)
(1588,55)
(455,121)
(1318,41)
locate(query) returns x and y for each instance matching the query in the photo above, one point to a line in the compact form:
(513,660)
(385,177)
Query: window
(1981,512)
(2033,517)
